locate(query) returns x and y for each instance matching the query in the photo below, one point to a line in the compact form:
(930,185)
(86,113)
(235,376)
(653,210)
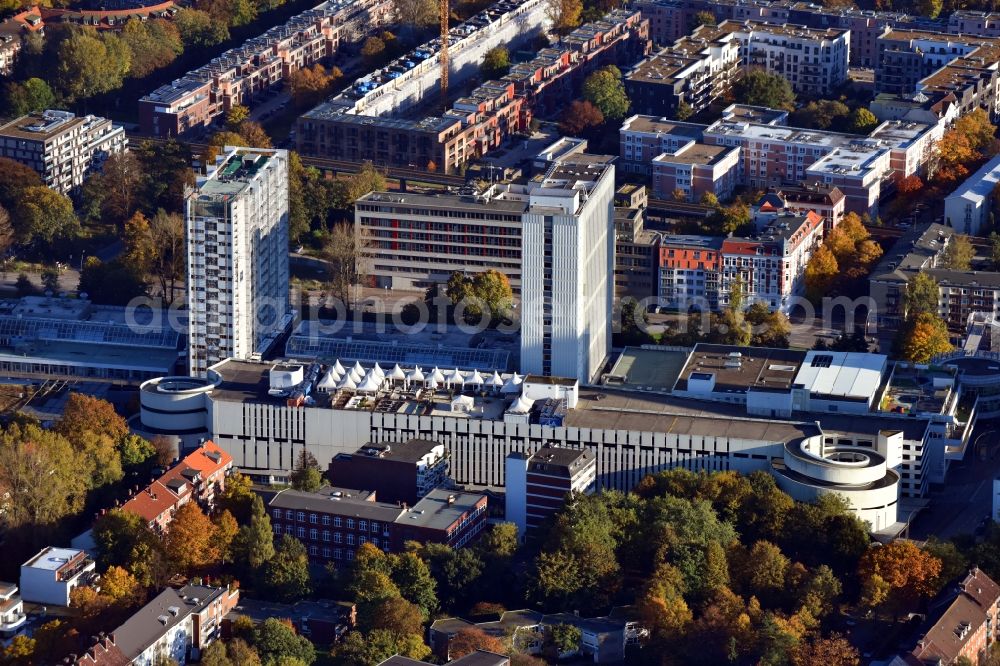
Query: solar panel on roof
(822,361)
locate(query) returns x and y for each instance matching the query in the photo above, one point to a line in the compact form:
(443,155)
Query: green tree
(199,29)
(995,250)
(759,87)
(275,639)
(111,283)
(305,475)
(347,190)
(238,498)
(135,452)
(684,111)
(215,655)
(28,97)
(770,329)
(862,121)
(930,8)
(605,90)
(416,584)
(360,649)
(499,541)
(43,477)
(254,543)
(495,63)
(286,575)
(821,114)
(562,639)
(456,571)
(921,296)
(43,216)
(90,64)
(958,253)
(116,534)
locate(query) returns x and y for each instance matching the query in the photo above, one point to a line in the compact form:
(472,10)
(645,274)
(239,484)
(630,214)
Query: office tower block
(568,268)
(237,232)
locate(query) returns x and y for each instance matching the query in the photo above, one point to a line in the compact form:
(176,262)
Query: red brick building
(333,522)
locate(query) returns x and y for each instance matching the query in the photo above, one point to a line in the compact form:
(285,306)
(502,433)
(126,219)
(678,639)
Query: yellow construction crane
(443,9)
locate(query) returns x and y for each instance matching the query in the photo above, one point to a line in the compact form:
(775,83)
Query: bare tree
(346,253)
(167,231)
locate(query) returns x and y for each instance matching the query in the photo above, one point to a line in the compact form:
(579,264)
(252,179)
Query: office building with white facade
(62,147)
(237,233)
(567,268)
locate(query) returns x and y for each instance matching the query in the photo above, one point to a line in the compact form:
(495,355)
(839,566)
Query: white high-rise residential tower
(568,267)
(237,232)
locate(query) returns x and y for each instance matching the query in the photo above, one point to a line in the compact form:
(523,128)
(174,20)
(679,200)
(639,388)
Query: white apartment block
(967,209)
(51,576)
(237,232)
(567,269)
(813,61)
(62,147)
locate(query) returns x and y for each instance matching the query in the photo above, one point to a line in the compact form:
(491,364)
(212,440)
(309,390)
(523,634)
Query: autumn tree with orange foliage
(846,257)
(190,539)
(470,639)
(85,413)
(310,85)
(898,574)
(910,185)
(923,337)
(834,650)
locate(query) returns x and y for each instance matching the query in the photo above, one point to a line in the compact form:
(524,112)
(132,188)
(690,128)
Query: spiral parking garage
(810,468)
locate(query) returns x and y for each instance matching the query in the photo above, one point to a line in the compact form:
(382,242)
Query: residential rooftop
(235,171)
(696,153)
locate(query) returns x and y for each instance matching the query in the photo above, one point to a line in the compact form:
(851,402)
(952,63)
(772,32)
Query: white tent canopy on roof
(338,368)
(454,377)
(377,369)
(415,375)
(495,380)
(521,406)
(463,403)
(355,375)
(512,385)
(328,382)
(396,373)
(371,383)
(358,368)
(347,383)
(432,383)
(436,376)
(476,379)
